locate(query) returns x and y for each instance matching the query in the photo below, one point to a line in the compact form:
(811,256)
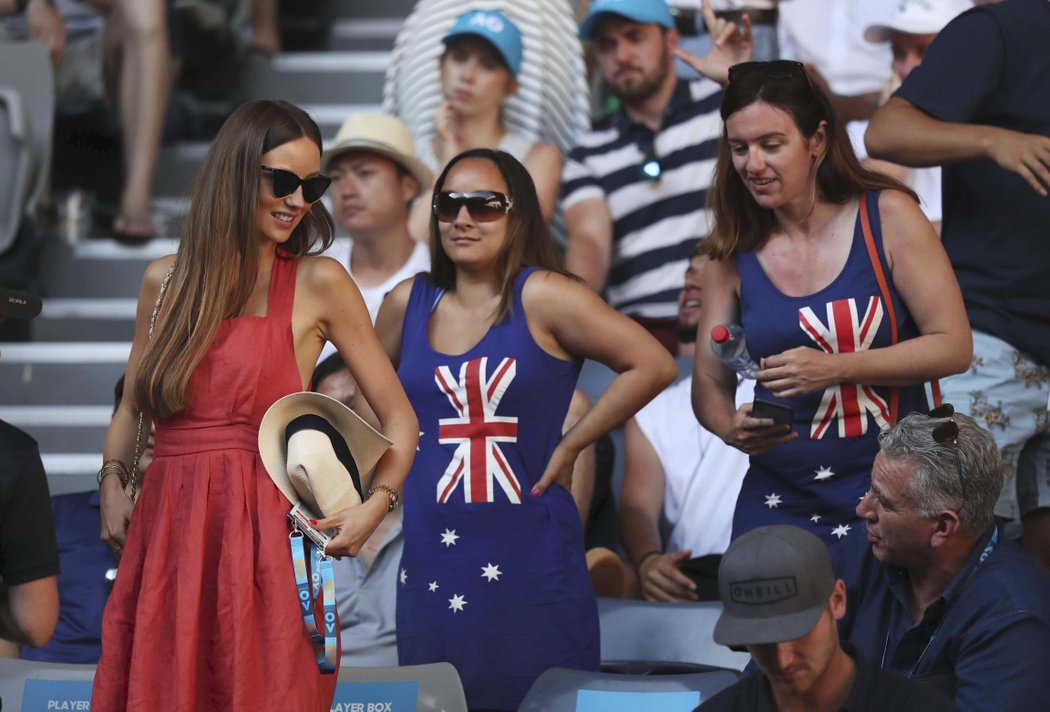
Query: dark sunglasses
(285,183)
(483,205)
(947,434)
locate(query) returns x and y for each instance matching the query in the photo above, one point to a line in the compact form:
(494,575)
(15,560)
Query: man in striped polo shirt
(634,188)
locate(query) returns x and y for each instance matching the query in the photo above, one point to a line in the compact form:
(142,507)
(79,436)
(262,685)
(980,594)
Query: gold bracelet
(389,492)
(113,467)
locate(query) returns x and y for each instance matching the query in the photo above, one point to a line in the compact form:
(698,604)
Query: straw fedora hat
(304,461)
(382,134)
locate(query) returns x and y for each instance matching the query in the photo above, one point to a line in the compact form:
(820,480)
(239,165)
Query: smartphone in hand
(780,413)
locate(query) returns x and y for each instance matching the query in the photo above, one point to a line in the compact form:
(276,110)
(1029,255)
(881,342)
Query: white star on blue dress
(404,577)
(841,530)
(448,538)
(491,572)
(815,518)
(823,473)
(773,500)
(433,586)
(421,434)
(456,603)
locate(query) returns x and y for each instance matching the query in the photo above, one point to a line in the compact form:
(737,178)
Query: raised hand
(730,44)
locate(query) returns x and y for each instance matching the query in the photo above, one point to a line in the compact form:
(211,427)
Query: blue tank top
(817,480)
(492,579)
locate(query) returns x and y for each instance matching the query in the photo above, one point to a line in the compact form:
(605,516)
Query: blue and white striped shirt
(656,223)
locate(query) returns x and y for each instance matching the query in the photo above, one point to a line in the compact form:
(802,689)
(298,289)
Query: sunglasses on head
(777,69)
(483,205)
(947,434)
(285,183)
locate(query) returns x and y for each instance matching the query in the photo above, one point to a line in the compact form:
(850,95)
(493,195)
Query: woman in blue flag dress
(488,346)
(816,298)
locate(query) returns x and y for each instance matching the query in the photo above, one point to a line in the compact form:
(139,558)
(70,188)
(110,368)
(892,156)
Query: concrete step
(372,8)
(96,268)
(318,77)
(61,373)
(364,34)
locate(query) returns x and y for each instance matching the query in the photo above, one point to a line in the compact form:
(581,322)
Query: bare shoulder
(896,206)
(154,275)
(398,296)
(547,287)
(541,151)
(322,271)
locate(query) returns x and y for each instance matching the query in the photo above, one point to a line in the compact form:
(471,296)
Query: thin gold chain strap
(134,479)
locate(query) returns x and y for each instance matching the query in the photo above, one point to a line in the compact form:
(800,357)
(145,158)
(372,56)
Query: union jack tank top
(816,481)
(492,579)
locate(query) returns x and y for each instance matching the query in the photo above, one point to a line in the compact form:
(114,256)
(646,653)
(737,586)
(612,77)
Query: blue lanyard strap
(324,638)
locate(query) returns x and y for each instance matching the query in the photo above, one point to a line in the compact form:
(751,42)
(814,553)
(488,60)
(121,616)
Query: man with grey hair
(940,595)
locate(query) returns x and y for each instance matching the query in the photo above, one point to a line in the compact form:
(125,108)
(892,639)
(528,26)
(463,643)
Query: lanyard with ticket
(325,636)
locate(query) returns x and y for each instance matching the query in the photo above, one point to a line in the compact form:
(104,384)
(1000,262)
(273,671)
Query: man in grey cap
(28,552)
(782,602)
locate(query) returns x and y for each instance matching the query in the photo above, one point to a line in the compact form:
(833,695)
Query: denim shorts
(1007,392)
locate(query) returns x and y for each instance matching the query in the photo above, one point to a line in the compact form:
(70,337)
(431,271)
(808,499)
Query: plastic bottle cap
(720,334)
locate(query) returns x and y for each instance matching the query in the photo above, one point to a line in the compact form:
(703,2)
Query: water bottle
(730,345)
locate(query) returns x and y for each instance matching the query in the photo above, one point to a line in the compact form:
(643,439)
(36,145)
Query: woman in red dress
(204,614)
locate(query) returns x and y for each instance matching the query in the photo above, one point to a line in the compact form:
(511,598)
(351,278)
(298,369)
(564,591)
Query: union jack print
(846,332)
(478,463)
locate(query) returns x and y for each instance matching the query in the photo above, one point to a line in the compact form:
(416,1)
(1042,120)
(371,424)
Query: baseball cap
(495,28)
(18,305)
(650,12)
(918,17)
(774,583)
(382,134)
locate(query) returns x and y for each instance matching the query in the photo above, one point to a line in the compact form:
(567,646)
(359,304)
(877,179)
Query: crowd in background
(562,202)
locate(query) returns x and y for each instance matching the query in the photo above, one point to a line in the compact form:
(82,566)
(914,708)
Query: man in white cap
(910,32)
(376,176)
(782,602)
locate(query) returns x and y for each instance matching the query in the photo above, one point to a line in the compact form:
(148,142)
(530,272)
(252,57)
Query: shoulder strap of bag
(884,289)
(134,479)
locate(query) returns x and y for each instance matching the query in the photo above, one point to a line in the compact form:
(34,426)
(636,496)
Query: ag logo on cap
(760,592)
(490,22)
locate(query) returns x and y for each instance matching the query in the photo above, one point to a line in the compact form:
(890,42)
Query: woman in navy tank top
(488,347)
(845,294)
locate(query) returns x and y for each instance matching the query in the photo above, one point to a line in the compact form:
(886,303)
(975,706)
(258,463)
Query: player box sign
(376,696)
(62,695)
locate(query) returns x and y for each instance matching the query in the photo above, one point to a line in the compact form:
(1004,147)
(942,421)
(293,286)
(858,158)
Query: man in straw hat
(782,602)
(375,178)
(28,553)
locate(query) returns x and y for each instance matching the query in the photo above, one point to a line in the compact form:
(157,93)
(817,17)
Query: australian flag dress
(816,480)
(492,579)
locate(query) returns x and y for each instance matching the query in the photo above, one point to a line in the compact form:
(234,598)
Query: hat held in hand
(319,452)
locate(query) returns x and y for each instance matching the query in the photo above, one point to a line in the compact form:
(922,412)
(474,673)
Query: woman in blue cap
(479,72)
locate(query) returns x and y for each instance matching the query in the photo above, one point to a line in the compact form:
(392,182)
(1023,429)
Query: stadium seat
(564,690)
(31,686)
(663,632)
(434,688)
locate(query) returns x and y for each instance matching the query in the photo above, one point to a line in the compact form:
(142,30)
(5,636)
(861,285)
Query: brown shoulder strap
(884,289)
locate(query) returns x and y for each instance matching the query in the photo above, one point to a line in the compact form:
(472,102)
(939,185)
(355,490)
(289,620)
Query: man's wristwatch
(389,492)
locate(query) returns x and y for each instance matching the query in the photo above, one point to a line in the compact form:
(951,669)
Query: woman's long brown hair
(528,242)
(740,224)
(217,264)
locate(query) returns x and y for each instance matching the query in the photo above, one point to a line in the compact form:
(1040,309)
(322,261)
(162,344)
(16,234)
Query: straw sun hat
(325,461)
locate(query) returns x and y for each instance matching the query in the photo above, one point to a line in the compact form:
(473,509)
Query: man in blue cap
(633,189)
